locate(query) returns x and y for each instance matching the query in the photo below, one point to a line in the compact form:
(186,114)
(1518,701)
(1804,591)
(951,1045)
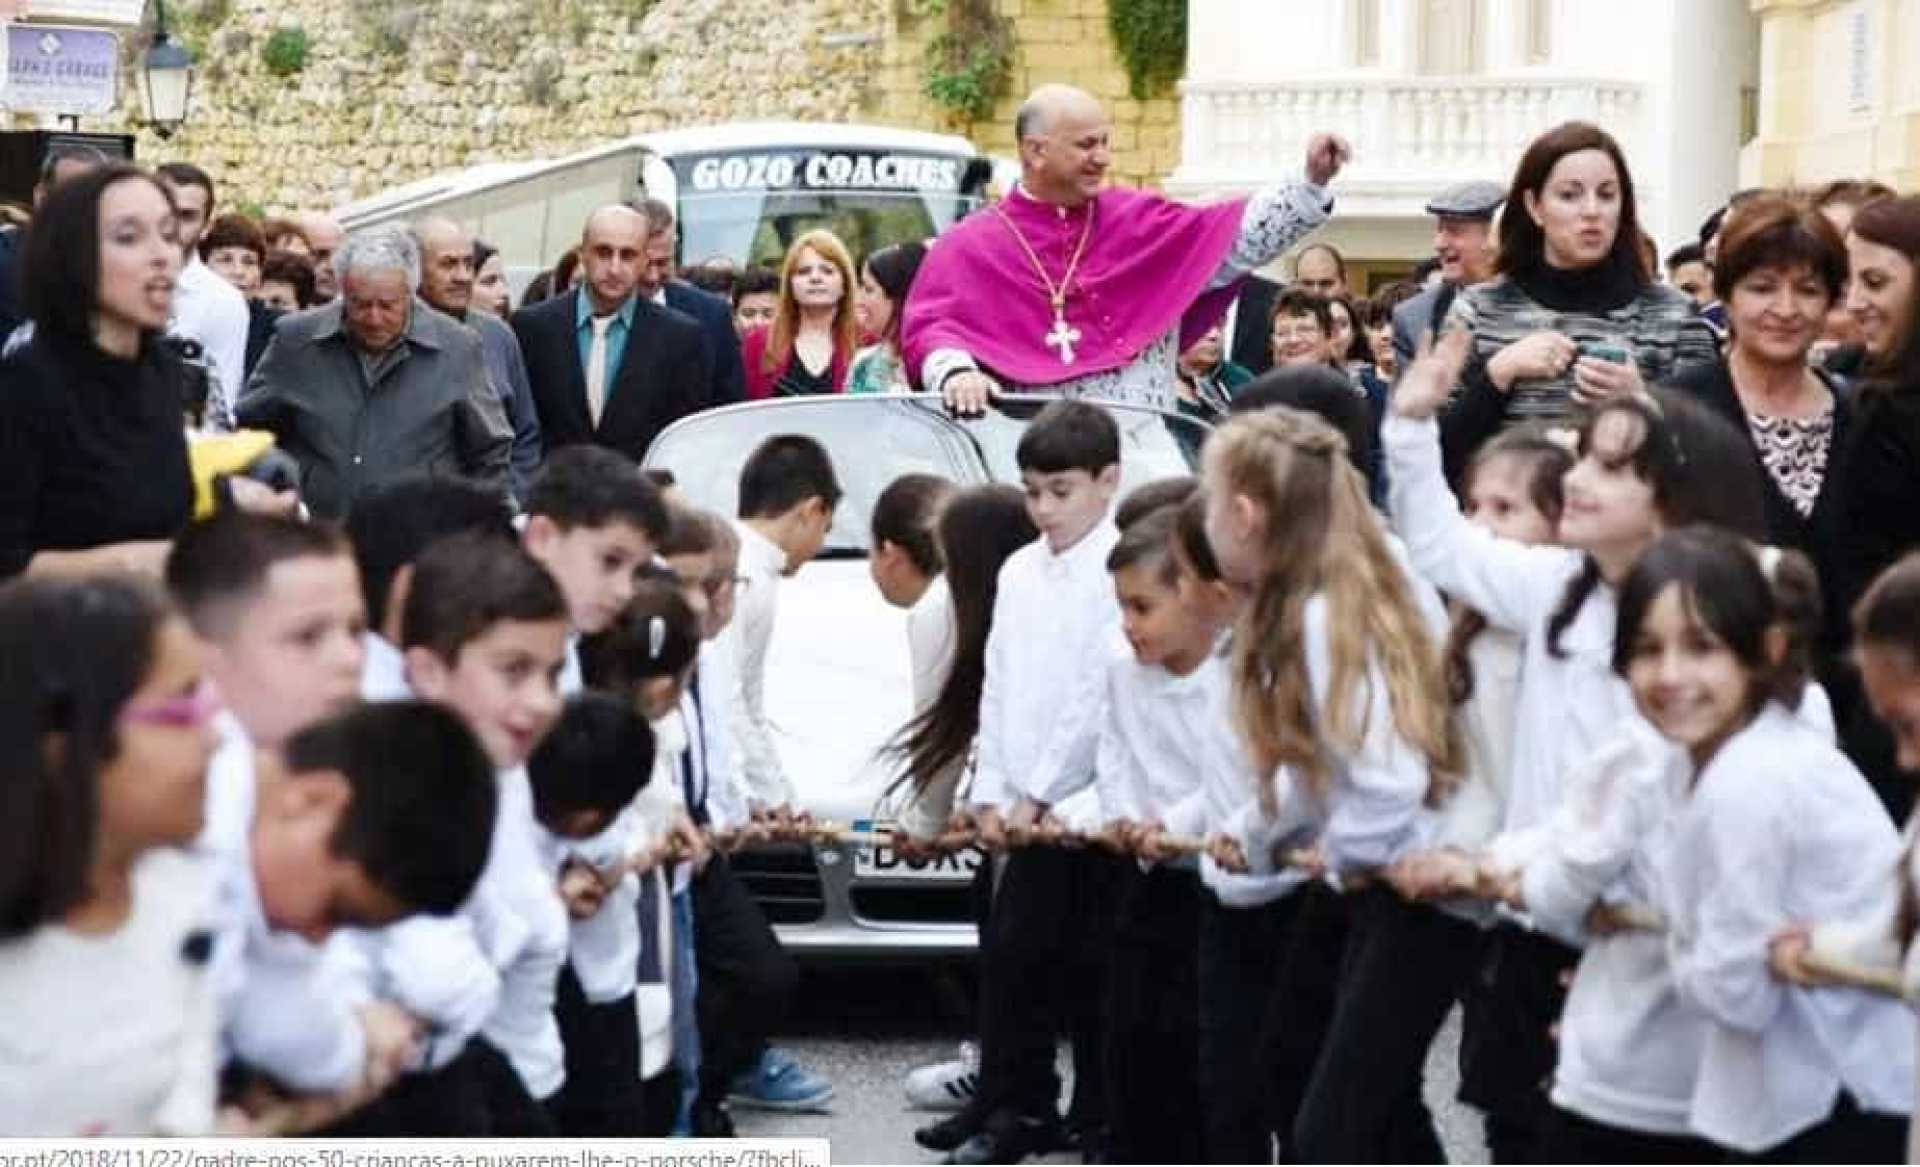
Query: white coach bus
(741,191)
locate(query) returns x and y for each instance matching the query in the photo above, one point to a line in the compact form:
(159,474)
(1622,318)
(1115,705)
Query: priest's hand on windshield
(1326,154)
(968,391)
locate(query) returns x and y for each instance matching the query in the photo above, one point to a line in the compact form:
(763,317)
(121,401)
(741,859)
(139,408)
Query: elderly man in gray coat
(376,385)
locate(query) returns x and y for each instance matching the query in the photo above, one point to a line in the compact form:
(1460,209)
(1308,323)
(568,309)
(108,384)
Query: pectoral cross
(1063,338)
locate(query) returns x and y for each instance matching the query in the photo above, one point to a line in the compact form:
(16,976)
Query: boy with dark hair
(389,528)
(484,631)
(1055,623)
(788,493)
(585,776)
(592,518)
(278,606)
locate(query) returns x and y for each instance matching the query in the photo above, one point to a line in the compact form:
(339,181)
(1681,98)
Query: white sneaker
(946,1085)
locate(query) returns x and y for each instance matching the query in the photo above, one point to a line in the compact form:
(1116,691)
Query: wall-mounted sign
(55,69)
(125,12)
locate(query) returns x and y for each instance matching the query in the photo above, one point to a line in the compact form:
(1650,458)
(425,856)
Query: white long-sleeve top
(1373,809)
(710,709)
(114,1034)
(1473,816)
(1568,704)
(383,670)
(1228,792)
(604,949)
(280,1010)
(1629,1047)
(1780,827)
(1055,621)
(208,309)
(1157,731)
(932,640)
(762,564)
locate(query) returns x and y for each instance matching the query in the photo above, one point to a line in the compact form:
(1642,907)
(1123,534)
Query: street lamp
(167,75)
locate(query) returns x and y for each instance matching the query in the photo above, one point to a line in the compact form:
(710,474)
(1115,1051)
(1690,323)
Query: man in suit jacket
(607,365)
(659,282)
(1251,344)
(1464,243)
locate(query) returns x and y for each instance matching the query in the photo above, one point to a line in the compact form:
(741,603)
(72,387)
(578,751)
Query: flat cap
(1469,200)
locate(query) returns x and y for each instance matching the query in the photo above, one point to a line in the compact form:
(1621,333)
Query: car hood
(839,686)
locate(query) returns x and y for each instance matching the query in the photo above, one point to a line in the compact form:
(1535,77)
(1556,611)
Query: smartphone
(1604,351)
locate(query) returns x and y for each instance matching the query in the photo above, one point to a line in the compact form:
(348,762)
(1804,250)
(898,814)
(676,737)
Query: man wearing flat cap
(1463,242)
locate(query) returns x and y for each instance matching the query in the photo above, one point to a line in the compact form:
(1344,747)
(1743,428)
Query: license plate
(881,861)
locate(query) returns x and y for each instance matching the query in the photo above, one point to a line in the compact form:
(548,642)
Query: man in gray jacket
(377,386)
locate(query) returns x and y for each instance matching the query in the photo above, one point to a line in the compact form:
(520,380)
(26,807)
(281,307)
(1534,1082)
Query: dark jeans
(1566,1137)
(476,1095)
(1849,1135)
(1507,1051)
(1043,960)
(601,1097)
(1402,969)
(1153,996)
(746,978)
(1240,954)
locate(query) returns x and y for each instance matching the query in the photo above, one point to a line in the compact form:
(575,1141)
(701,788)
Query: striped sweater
(1660,328)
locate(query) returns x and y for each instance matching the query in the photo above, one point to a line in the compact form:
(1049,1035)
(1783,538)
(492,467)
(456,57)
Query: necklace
(1062,336)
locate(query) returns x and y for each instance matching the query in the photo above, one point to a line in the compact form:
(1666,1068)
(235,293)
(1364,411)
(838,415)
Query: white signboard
(59,70)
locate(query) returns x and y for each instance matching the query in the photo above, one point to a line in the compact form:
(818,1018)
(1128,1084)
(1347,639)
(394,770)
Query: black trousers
(1043,959)
(1153,998)
(1241,951)
(601,1098)
(746,979)
(1403,967)
(476,1095)
(1301,1004)
(1507,1051)
(1566,1137)
(1848,1135)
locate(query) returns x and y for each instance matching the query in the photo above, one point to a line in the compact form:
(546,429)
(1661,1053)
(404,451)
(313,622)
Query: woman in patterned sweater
(1573,317)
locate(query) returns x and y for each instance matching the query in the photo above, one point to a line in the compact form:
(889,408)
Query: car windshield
(873,440)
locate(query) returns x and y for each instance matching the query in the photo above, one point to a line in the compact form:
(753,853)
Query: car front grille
(785,880)
(918,904)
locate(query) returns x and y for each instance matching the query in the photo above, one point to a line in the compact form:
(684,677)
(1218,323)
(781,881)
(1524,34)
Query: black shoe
(949,1132)
(710,1120)
(1011,1142)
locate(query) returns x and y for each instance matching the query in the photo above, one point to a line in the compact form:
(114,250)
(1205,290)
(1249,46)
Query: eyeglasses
(1310,330)
(185,712)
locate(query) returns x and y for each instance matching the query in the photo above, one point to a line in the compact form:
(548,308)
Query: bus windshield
(748,207)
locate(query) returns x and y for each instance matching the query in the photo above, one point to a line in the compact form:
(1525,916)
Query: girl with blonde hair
(1340,695)
(811,342)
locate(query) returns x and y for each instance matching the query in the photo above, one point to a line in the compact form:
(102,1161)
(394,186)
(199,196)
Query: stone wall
(394,91)
(1054,40)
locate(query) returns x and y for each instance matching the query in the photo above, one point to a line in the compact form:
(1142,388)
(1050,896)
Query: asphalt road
(866,1028)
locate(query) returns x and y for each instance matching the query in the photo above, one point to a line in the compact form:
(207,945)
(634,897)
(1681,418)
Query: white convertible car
(838,681)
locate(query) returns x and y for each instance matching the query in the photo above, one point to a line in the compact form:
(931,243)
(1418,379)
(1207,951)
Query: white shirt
(383,671)
(1567,705)
(1229,790)
(762,564)
(712,747)
(1474,814)
(212,311)
(1156,734)
(1781,828)
(931,642)
(1373,809)
(281,1012)
(113,1034)
(1055,621)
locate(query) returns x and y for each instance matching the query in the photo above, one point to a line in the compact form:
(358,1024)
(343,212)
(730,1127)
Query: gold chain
(1056,294)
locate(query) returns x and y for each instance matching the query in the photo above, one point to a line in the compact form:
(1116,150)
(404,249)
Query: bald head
(612,254)
(446,265)
(324,234)
(1064,154)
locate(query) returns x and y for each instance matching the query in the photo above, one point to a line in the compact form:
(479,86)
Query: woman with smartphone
(1574,316)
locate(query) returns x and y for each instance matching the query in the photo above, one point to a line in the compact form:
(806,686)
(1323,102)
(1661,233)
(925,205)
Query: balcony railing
(1404,130)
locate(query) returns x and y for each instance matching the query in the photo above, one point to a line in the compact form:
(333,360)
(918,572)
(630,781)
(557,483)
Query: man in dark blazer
(660,282)
(1251,345)
(607,365)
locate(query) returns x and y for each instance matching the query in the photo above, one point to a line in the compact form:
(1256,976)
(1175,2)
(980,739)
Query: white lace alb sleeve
(1275,219)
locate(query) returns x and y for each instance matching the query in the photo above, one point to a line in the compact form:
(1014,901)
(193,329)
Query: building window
(1449,36)
(1539,32)
(1364,18)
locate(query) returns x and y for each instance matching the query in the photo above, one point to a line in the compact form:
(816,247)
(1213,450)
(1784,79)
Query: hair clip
(656,637)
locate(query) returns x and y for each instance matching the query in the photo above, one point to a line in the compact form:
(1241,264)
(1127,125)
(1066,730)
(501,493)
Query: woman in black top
(1877,518)
(1781,269)
(93,450)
